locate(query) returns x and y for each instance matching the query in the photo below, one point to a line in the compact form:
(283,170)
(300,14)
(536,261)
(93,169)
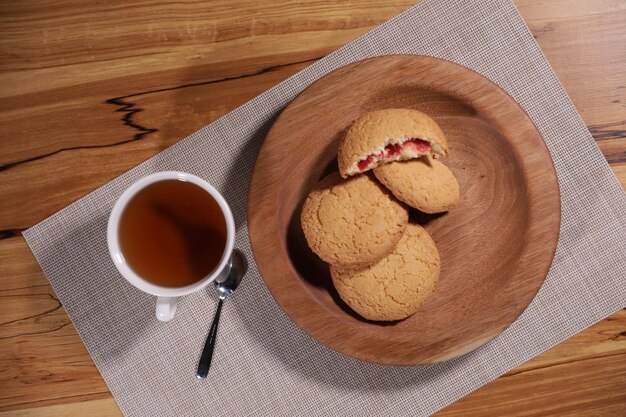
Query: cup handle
(166,308)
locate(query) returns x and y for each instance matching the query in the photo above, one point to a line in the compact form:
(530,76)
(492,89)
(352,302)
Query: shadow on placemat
(108,300)
(235,189)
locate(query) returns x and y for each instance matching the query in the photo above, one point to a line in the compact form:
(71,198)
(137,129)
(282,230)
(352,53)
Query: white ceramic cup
(167,296)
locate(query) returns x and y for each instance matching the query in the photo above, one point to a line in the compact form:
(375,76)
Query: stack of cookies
(383,265)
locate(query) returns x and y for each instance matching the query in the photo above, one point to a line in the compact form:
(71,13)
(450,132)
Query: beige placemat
(264,364)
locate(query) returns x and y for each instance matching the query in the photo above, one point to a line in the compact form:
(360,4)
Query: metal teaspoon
(224,289)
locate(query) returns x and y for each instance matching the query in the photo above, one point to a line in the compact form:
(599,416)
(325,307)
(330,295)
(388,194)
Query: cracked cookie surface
(395,287)
(380,137)
(354,222)
(425,184)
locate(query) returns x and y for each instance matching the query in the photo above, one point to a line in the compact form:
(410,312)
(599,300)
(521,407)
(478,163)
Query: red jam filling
(393,150)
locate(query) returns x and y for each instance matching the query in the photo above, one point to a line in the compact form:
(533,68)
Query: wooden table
(87,91)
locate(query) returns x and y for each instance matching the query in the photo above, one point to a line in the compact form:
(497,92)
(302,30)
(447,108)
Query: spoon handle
(209,345)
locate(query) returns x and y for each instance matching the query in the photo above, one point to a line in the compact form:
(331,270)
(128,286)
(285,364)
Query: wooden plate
(496,247)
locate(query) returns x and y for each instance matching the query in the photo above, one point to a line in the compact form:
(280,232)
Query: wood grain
(175,66)
(480,242)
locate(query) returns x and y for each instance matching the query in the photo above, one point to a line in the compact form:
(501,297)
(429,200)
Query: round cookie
(425,184)
(389,135)
(398,285)
(354,222)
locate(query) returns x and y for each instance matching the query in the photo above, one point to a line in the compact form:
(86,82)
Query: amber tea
(172,233)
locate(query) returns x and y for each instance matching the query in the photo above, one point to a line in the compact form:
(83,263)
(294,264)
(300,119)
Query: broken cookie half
(389,135)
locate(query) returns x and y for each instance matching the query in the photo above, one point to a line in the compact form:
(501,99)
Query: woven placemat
(265,365)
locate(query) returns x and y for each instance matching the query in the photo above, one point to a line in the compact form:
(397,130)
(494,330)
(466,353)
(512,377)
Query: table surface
(87,91)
